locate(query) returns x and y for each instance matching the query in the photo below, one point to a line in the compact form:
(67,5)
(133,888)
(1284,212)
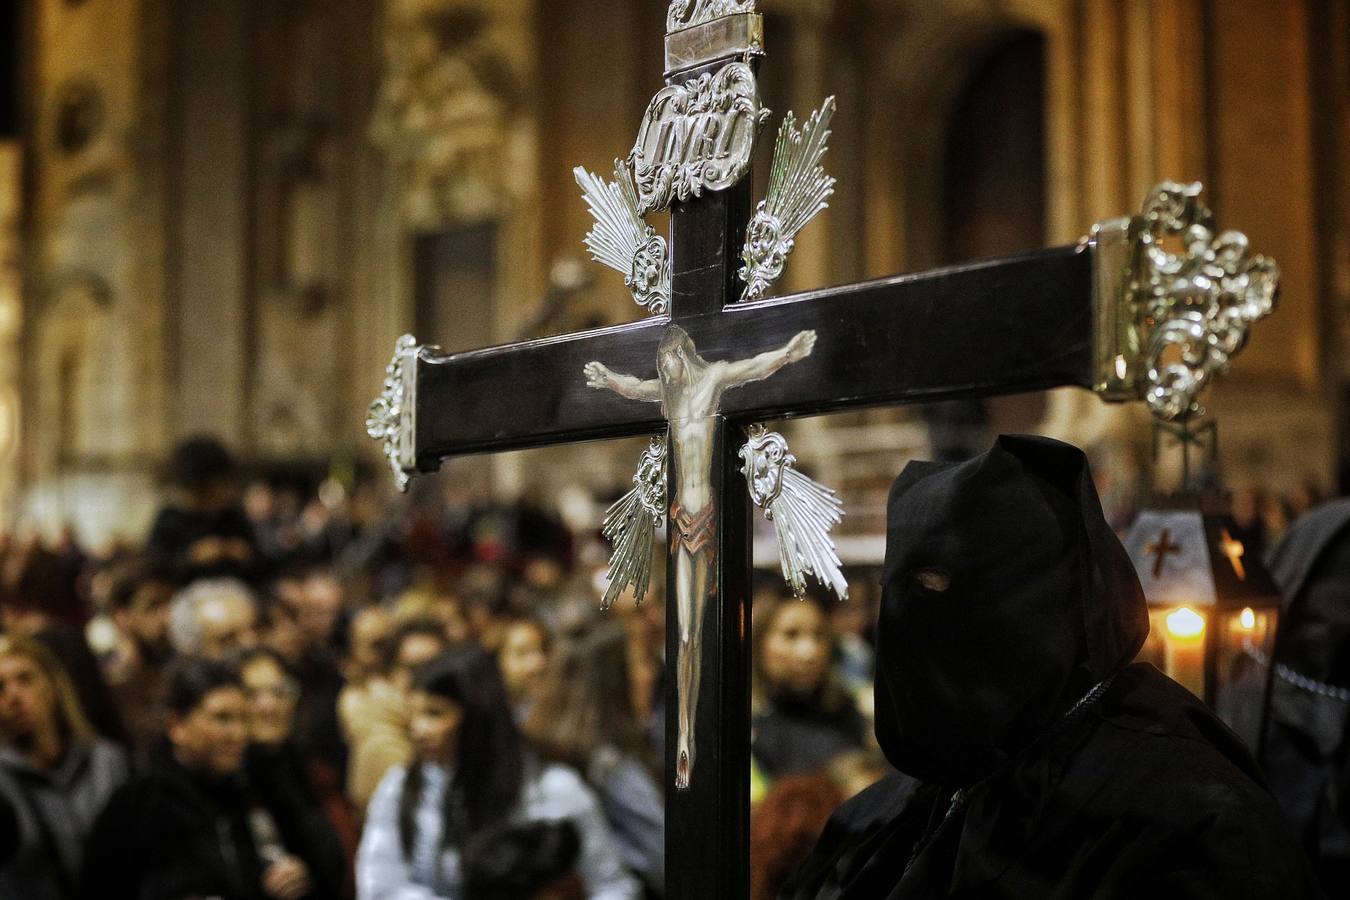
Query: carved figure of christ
(689,389)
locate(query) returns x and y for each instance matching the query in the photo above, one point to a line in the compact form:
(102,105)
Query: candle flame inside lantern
(1247,619)
(1186,623)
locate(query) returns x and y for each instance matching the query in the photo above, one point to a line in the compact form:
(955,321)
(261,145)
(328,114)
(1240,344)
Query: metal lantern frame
(1191,556)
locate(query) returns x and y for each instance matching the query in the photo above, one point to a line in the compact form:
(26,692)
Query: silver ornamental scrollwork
(648,278)
(650,480)
(390,417)
(1201,301)
(688,13)
(630,525)
(697,136)
(803,512)
(763,460)
(798,191)
(622,240)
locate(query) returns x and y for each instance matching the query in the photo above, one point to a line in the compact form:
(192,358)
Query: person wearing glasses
(288,781)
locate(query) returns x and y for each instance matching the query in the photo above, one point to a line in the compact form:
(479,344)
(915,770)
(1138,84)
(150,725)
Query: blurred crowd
(283,695)
(312,694)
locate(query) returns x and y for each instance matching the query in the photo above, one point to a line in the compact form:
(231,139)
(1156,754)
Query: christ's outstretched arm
(600,377)
(757,368)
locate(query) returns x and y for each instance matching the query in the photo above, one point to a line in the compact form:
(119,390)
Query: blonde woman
(55,774)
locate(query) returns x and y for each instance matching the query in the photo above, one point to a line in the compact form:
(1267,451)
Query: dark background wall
(9,67)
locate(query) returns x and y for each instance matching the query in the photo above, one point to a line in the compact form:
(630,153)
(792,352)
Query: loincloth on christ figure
(696,533)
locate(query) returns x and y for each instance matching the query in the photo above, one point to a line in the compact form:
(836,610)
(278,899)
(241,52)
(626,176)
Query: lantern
(1213,609)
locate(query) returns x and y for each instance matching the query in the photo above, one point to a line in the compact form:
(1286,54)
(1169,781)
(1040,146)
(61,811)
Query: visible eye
(931,579)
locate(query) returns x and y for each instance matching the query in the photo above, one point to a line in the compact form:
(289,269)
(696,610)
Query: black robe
(1147,794)
(1039,763)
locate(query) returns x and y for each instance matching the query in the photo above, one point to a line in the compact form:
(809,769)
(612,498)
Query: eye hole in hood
(1005,597)
(931,579)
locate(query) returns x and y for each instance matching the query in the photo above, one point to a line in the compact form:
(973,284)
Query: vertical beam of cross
(708,824)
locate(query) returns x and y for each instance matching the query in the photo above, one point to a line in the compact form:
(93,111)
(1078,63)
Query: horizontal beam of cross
(1003,326)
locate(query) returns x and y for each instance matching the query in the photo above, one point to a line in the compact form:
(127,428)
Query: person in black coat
(300,790)
(203,529)
(1034,759)
(192,826)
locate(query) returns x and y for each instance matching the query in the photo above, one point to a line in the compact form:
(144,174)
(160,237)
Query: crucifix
(1118,313)
(690,390)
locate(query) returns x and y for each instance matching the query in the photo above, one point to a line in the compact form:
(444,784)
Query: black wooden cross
(1093,315)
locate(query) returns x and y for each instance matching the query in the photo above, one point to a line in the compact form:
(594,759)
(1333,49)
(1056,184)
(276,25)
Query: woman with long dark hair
(802,714)
(470,773)
(583,717)
(522,656)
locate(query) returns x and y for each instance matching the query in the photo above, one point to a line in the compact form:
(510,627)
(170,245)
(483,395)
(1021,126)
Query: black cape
(1035,761)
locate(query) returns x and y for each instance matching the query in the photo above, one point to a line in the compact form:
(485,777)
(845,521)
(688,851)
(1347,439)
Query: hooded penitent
(1306,753)
(1312,567)
(1036,760)
(1005,599)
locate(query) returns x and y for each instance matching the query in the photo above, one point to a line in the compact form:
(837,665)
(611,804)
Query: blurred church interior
(216,216)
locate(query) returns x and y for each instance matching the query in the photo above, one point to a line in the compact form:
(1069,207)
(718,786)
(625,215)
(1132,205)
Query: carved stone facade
(448,111)
(312,84)
(11,317)
(190,242)
(95,360)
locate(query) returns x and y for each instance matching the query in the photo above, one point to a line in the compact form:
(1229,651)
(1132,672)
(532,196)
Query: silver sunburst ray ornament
(630,525)
(803,512)
(798,191)
(622,239)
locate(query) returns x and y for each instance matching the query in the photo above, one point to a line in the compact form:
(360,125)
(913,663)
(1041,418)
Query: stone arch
(923,68)
(993,186)
(935,68)
(931,64)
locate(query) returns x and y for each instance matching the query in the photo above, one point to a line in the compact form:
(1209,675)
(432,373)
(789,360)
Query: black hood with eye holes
(1005,598)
